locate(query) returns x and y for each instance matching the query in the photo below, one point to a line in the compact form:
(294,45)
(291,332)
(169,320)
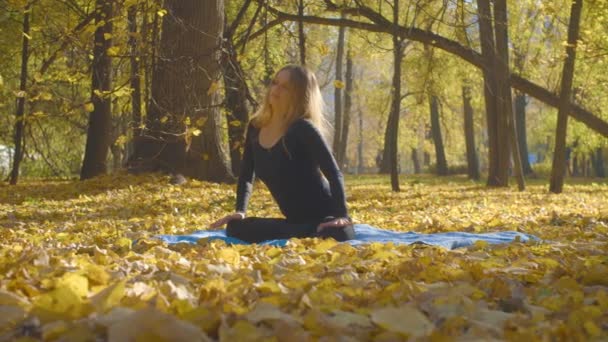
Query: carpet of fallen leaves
(70,269)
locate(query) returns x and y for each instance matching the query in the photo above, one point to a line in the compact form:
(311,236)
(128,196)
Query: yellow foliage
(81,260)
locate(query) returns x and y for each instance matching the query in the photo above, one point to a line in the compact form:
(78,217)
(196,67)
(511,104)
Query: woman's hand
(224,220)
(335,223)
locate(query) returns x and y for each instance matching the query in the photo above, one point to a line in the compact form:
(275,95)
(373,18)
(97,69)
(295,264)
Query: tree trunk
(522,137)
(486,36)
(347,107)
(559,162)
(100,119)
(236,104)
(598,163)
(575,165)
(389,160)
(135,78)
(360,144)
(442,164)
(469,135)
(506,121)
(19,136)
(415,161)
(421,156)
(338,97)
(301,36)
(185,94)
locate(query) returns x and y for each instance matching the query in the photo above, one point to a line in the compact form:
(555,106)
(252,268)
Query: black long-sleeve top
(293,171)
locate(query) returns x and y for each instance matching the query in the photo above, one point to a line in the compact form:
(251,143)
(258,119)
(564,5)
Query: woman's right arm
(244,185)
(247,175)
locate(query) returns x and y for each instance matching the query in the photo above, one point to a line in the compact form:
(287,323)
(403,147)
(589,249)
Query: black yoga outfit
(293,170)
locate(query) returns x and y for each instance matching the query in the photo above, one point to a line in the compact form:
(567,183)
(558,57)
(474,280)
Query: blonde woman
(285,148)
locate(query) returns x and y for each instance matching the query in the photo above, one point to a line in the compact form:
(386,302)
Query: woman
(284,147)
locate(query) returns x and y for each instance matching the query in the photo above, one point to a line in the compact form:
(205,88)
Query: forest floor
(69,269)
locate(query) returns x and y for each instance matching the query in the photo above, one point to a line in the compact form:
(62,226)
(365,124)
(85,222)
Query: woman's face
(280,93)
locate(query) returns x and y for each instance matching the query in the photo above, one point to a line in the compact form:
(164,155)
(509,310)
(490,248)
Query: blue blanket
(365,233)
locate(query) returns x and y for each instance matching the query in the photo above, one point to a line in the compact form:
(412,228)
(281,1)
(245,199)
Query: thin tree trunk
(442,164)
(520,122)
(145,56)
(338,97)
(235,98)
(415,161)
(301,36)
(360,144)
(392,128)
(421,155)
(469,134)
(598,163)
(100,119)
(19,136)
(135,78)
(559,162)
(506,122)
(348,90)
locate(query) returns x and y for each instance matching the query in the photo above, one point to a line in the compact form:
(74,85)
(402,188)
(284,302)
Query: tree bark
(392,127)
(559,155)
(338,110)
(348,90)
(360,144)
(469,134)
(486,36)
(301,36)
(19,136)
(135,77)
(520,122)
(506,122)
(185,95)
(100,119)
(441,162)
(415,161)
(597,158)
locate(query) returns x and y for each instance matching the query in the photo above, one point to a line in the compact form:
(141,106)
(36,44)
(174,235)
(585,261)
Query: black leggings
(258,229)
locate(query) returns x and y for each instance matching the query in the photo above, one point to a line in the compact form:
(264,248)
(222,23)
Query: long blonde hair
(307,101)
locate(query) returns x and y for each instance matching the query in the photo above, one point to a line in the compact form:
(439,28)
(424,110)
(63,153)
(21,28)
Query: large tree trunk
(559,161)
(338,110)
(185,94)
(19,114)
(469,134)
(506,122)
(100,119)
(441,162)
(347,107)
(522,137)
(486,36)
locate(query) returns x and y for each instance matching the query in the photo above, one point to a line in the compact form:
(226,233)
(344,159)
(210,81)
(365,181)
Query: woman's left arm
(320,151)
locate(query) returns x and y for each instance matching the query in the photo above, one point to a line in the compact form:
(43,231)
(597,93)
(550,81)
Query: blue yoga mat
(365,233)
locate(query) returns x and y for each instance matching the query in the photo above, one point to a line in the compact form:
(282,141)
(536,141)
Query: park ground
(70,270)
